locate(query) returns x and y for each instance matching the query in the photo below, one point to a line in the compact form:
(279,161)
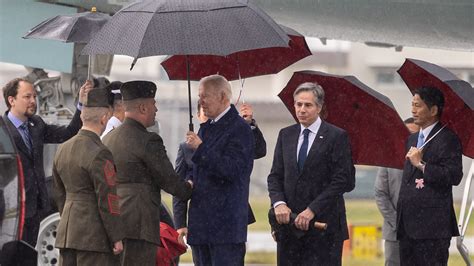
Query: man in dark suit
(184,166)
(312,169)
(425,215)
(90,231)
(387,188)
(30,133)
(143,169)
(223,160)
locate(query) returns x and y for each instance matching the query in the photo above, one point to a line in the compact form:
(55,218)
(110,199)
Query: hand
(246,112)
(182,232)
(193,140)
(303,219)
(414,155)
(282,214)
(118,247)
(85,88)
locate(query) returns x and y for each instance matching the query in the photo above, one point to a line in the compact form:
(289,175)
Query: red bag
(170,247)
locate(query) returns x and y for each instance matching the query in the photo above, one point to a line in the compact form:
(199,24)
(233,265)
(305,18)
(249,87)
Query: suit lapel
(35,136)
(317,145)
(412,143)
(20,144)
(293,146)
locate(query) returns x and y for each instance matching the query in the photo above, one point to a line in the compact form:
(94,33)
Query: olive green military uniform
(85,190)
(143,168)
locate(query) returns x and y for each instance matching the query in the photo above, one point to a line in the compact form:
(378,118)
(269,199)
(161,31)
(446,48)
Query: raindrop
(50,247)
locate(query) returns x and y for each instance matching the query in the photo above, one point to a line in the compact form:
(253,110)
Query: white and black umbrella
(76,28)
(187,27)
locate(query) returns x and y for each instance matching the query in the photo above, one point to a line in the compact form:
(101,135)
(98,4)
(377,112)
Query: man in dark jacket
(223,161)
(90,231)
(184,167)
(143,169)
(30,133)
(312,169)
(426,220)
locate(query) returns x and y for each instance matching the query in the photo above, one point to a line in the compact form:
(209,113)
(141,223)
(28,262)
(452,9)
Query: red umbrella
(376,132)
(170,247)
(248,63)
(458,112)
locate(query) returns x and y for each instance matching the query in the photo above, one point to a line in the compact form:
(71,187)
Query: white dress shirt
(111,124)
(427,131)
(220,115)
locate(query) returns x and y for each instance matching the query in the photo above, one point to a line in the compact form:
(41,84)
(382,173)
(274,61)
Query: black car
(13,251)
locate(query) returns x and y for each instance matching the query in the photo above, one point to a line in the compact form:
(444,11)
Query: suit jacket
(387,188)
(85,191)
(184,168)
(143,169)
(428,213)
(218,211)
(33,168)
(327,174)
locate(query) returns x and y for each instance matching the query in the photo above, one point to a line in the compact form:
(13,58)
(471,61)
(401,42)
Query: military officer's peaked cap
(138,89)
(98,98)
(114,88)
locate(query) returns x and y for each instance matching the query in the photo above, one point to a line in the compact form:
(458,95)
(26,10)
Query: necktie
(303,153)
(421,140)
(26,135)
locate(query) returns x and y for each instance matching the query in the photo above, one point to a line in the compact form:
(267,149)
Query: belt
(136,186)
(80,196)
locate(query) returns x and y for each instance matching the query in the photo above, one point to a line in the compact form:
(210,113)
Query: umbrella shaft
(191,126)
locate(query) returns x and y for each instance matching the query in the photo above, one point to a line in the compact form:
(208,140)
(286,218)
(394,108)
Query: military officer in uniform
(143,169)
(90,231)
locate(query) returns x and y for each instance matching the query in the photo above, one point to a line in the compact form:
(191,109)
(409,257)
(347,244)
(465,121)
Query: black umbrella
(76,28)
(185,27)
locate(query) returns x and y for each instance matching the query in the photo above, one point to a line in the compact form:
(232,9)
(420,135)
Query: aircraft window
(384,77)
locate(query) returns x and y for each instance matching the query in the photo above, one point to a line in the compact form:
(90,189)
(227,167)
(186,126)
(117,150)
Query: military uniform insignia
(109,173)
(113,201)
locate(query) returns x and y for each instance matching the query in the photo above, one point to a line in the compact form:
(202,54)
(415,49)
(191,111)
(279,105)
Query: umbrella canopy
(243,64)
(458,112)
(376,132)
(187,27)
(77,28)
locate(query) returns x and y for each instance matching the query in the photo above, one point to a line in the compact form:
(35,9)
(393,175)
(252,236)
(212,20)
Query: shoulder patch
(109,173)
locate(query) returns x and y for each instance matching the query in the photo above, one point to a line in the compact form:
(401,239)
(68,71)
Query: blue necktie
(303,153)
(421,140)
(26,135)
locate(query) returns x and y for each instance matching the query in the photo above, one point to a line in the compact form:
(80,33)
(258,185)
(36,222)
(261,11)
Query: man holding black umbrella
(426,220)
(223,160)
(312,168)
